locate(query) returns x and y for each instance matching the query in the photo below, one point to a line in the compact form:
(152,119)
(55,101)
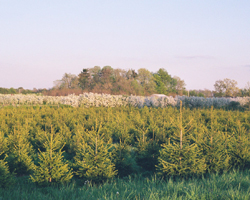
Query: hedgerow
(105,100)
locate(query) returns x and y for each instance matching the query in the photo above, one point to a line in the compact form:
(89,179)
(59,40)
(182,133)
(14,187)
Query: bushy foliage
(239,147)
(94,161)
(105,100)
(20,152)
(125,160)
(6,178)
(185,161)
(130,140)
(51,169)
(215,151)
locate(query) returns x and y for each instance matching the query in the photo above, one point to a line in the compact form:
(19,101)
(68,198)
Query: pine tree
(213,144)
(3,145)
(94,161)
(182,158)
(51,169)
(19,157)
(185,161)
(147,150)
(6,178)
(239,148)
(125,160)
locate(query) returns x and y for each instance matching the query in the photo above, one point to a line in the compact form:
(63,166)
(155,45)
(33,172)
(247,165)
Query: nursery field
(124,152)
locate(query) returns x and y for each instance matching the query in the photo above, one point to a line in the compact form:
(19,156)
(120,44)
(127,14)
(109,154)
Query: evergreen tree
(51,169)
(215,152)
(84,79)
(3,145)
(239,147)
(214,147)
(182,162)
(182,158)
(6,178)
(94,160)
(147,150)
(19,159)
(125,160)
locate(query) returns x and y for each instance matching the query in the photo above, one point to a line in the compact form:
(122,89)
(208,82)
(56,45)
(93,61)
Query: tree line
(143,82)
(118,81)
(126,82)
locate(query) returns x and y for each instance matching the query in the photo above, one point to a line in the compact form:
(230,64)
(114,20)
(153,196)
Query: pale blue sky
(200,41)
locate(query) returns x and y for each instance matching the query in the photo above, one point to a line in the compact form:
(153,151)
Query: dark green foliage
(215,152)
(165,84)
(3,145)
(147,153)
(84,79)
(125,160)
(214,145)
(6,178)
(239,150)
(239,147)
(233,105)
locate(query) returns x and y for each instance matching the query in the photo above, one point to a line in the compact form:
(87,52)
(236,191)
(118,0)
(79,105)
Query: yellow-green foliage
(185,161)
(139,138)
(51,168)
(94,160)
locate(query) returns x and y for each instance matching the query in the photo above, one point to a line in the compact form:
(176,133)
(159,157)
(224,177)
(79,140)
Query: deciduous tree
(226,88)
(146,79)
(165,84)
(68,81)
(180,85)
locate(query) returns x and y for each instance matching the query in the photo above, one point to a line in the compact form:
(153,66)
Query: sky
(199,41)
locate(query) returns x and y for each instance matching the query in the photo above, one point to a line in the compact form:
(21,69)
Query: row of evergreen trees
(52,145)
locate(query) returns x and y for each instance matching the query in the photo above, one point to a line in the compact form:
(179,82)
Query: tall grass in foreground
(231,185)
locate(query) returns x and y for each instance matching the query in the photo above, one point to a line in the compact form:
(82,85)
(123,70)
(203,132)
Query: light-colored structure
(158,95)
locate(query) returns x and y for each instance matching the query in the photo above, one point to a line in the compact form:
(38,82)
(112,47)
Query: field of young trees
(51,145)
(125,100)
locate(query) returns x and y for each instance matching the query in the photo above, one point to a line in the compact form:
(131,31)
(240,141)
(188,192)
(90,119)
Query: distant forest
(121,82)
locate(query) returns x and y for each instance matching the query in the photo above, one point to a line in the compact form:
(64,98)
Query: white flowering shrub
(107,100)
(201,102)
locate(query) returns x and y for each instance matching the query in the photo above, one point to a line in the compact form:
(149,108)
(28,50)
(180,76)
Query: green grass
(231,185)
